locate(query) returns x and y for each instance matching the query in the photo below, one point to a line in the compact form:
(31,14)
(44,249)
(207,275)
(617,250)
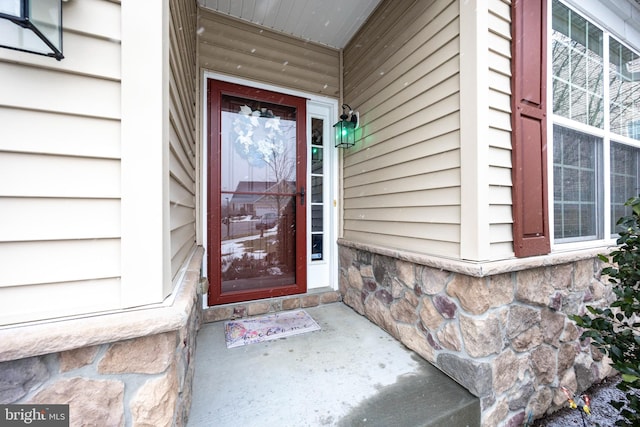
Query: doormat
(266,328)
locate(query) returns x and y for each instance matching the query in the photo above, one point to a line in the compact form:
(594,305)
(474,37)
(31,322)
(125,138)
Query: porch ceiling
(329,22)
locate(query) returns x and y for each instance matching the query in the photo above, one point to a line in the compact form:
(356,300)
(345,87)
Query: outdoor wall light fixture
(345,128)
(33,26)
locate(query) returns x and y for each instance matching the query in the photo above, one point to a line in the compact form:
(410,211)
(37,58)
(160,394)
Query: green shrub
(615,330)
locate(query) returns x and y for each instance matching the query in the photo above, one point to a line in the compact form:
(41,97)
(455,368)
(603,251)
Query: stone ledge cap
(35,339)
(481,268)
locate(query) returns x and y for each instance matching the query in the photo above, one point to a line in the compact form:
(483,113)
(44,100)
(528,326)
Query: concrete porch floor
(350,373)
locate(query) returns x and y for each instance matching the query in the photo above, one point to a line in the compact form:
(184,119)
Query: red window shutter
(529,128)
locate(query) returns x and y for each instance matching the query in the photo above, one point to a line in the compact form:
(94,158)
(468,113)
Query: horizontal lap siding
(60,171)
(44,175)
(37,301)
(182,131)
(58,218)
(237,48)
(60,261)
(499,100)
(94,137)
(402,179)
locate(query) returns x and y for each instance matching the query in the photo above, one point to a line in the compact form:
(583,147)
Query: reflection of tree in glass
(262,139)
(265,140)
(578,73)
(624,89)
(577,88)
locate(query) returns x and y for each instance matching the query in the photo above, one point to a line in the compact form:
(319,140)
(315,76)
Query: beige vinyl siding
(499,133)
(95,137)
(401,184)
(92,258)
(60,171)
(37,301)
(237,48)
(182,131)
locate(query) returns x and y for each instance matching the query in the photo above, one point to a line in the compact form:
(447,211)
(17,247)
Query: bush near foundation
(615,330)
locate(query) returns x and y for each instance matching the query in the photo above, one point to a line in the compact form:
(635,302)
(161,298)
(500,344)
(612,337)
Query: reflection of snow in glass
(274,271)
(235,249)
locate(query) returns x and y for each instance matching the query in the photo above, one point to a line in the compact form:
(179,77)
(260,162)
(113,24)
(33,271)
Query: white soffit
(329,22)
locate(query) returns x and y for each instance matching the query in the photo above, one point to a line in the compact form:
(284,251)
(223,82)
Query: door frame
(215,92)
(333,159)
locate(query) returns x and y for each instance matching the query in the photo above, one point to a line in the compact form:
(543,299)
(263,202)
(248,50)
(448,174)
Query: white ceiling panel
(330,22)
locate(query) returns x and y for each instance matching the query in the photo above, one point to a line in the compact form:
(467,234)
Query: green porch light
(33,26)
(345,128)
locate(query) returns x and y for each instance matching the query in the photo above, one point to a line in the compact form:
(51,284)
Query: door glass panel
(316,246)
(317,179)
(316,189)
(317,218)
(316,154)
(258,193)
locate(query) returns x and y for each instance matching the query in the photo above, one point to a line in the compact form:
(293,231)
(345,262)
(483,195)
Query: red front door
(256,190)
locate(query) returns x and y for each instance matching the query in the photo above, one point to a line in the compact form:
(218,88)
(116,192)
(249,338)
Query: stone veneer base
(125,368)
(499,329)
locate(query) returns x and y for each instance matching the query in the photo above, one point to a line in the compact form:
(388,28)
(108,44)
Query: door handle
(301,193)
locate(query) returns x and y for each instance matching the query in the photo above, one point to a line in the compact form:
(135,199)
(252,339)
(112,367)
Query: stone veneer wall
(127,368)
(505,336)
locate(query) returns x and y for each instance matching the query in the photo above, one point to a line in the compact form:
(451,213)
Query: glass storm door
(257,200)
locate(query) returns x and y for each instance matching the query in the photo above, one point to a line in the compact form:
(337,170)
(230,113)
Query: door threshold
(238,310)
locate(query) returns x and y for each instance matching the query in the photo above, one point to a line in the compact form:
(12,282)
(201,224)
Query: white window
(596,131)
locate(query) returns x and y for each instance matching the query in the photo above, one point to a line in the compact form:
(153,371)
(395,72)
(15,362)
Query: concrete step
(350,373)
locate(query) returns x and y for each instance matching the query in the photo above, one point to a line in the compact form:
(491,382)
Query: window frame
(599,191)
(637,178)
(603,212)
